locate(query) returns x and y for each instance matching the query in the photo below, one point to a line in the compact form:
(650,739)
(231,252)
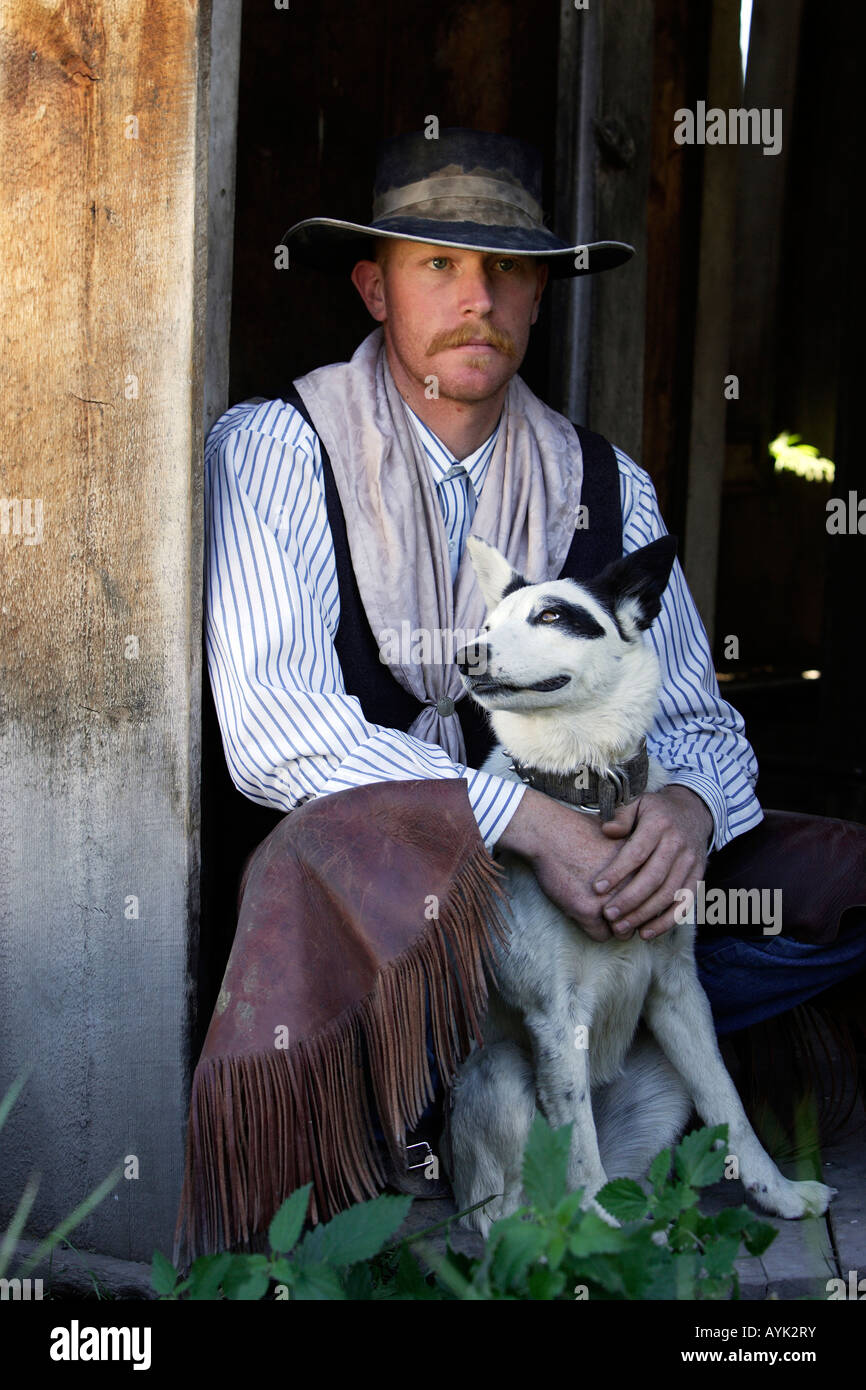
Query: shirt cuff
(494,801)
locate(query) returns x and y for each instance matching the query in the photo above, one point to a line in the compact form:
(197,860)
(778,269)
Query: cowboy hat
(465,188)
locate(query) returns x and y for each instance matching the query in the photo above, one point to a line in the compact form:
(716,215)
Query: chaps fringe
(262,1125)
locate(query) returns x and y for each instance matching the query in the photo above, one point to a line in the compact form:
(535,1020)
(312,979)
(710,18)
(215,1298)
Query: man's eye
(506,263)
(548,615)
(439,262)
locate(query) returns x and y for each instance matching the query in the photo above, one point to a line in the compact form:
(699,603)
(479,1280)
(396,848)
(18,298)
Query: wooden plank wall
(680,56)
(103,141)
(713,322)
(622,130)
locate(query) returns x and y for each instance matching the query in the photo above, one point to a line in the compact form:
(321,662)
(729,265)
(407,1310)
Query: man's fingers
(628,857)
(622,823)
(646,856)
(659,925)
(644,887)
(656,903)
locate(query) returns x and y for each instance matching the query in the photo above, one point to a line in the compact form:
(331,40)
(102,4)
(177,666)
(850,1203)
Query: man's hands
(663,848)
(665,836)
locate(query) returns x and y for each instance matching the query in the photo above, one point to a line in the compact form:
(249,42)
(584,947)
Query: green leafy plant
(326,1264)
(654,1244)
(14,1230)
(663,1247)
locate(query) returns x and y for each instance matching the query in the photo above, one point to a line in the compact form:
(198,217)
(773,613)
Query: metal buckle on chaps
(421,1144)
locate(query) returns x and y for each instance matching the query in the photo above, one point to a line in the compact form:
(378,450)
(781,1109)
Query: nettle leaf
(568,1208)
(318,1283)
(733,1221)
(247,1278)
(719,1257)
(603,1271)
(759,1236)
(545,1164)
(555,1249)
(544,1283)
(356,1234)
(706,1229)
(288,1222)
(358,1285)
(689,1221)
(714,1288)
(283,1271)
(163,1275)
(518,1247)
(637,1264)
(661,1276)
(671,1201)
(464,1264)
(410,1277)
(660,1168)
(624,1199)
(206,1275)
(686,1269)
(595,1237)
(697,1161)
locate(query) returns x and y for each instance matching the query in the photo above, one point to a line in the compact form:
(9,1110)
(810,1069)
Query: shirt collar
(442,460)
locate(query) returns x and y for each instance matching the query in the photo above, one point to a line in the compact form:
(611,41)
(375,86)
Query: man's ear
(632,588)
(368,279)
(495,576)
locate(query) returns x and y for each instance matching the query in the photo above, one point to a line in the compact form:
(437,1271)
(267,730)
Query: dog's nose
(471,660)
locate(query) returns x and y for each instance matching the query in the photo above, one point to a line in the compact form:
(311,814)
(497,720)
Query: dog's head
(563,644)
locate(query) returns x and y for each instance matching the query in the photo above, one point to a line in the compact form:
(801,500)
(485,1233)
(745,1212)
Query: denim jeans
(749,979)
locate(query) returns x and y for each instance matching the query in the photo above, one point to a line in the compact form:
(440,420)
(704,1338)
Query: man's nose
(476,294)
(471,660)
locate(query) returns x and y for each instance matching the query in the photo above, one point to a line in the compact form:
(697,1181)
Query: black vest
(383,699)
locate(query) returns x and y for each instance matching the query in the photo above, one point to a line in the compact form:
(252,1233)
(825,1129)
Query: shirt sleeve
(289,729)
(696,734)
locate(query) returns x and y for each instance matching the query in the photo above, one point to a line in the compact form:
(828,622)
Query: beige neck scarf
(399,549)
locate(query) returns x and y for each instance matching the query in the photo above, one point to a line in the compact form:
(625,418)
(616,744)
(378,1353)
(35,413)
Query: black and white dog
(572,687)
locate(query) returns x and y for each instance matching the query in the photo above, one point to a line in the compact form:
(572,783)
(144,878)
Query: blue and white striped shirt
(272,608)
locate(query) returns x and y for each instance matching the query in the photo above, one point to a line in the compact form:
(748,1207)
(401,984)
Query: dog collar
(597,794)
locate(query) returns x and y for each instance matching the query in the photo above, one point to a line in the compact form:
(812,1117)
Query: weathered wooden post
(103,224)
(602,175)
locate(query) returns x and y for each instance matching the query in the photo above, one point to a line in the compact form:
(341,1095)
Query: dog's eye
(548,615)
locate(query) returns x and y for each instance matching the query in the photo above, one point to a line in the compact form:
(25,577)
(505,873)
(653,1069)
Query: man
(338,517)
(433,308)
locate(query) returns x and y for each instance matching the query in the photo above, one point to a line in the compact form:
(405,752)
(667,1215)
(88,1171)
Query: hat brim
(327,243)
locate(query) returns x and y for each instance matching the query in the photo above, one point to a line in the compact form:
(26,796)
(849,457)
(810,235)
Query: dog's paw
(794,1199)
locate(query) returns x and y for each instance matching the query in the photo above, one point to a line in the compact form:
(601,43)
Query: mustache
(469,333)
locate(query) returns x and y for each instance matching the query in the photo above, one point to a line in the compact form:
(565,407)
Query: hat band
(517,207)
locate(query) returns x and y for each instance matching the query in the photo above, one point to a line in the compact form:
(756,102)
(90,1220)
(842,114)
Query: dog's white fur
(652,1049)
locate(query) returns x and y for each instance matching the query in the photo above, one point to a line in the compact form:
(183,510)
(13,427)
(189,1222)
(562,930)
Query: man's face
(462,317)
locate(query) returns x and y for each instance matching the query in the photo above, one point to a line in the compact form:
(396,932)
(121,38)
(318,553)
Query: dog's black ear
(631,588)
(495,576)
